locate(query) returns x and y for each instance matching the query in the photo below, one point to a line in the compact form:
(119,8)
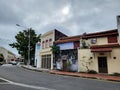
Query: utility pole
(28,63)
(29,48)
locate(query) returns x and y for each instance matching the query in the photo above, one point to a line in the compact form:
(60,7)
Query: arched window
(50,42)
(43,44)
(46,43)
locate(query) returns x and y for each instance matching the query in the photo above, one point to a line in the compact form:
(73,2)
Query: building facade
(37,62)
(8,55)
(101,53)
(46,54)
(68,53)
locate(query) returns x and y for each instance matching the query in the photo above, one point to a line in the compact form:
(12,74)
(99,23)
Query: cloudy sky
(71,17)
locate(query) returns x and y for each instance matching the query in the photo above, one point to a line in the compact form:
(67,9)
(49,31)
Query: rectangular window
(50,42)
(46,44)
(43,44)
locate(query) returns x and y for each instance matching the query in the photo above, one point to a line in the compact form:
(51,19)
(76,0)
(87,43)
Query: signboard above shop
(65,46)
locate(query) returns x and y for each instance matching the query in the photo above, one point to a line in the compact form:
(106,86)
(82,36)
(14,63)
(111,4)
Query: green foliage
(92,72)
(84,45)
(1,56)
(68,64)
(115,74)
(22,43)
(55,49)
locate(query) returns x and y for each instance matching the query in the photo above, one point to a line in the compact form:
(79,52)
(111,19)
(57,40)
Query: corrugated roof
(101,34)
(87,36)
(68,39)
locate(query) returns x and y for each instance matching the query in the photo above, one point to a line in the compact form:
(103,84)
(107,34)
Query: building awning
(101,50)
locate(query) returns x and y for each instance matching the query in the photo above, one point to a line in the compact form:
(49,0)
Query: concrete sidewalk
(76,74)
(34,68)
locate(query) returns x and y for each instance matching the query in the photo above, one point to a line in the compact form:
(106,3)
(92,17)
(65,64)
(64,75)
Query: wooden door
(102,65)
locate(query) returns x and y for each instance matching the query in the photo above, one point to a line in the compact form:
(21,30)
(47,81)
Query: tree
(84,45)
(55,50)
(1,57)
(22,44)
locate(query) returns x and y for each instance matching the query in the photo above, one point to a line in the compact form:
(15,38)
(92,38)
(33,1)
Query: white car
(13,62)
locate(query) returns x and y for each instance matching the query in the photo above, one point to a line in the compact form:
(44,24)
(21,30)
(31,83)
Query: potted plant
(68,64)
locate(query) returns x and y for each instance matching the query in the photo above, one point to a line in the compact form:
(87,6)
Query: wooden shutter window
(112,39)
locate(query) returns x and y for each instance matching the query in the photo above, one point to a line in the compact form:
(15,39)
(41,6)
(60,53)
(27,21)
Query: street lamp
(28,63)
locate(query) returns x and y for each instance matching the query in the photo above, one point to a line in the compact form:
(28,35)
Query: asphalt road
(22,79)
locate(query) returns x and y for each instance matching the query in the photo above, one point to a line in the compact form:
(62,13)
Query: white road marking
(24,85)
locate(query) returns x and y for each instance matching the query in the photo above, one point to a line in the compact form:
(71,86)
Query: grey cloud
(7,13)
(44,15)
(94,15)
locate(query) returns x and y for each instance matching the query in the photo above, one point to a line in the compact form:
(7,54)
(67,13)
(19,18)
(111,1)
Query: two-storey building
(100,52)
(46,54)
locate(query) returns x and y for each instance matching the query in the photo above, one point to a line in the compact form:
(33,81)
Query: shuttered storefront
(46,61)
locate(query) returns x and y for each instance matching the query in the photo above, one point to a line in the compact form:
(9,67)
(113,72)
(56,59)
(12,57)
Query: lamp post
(28,63)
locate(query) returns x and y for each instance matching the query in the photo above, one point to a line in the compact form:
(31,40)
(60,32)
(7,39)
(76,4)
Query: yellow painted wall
(47,50)
(84,60)
(47,36)
(113,64)
(100,41)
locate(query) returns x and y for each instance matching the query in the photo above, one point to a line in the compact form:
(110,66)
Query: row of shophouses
(99,51)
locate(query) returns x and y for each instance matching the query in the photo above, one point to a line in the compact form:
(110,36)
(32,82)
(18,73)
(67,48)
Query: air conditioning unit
(93,41)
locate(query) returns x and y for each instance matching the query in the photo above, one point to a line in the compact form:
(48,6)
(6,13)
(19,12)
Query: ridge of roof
(86,36)
(102,32)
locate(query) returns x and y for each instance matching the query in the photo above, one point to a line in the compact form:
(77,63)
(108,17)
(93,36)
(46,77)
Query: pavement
(76,74)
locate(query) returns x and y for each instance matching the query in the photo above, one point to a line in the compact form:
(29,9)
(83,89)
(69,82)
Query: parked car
(1,61)
(20,63)
(13,62)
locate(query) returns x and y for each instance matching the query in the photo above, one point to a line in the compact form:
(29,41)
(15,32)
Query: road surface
(23,79)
